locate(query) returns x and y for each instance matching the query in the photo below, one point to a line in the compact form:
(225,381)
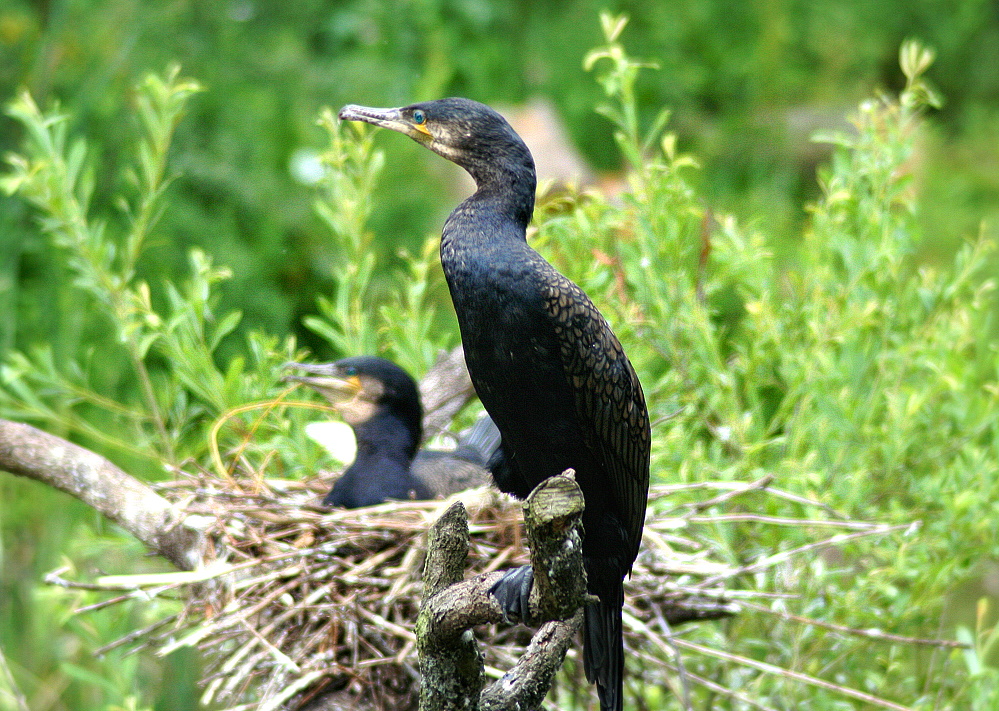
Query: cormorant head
(464,131)
(362,387)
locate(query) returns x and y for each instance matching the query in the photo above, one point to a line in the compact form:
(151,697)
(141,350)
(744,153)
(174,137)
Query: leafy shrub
(860,379)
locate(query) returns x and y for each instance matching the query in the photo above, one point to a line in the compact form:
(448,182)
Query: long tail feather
(603,648)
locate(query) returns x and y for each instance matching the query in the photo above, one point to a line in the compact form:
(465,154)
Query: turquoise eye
(351,370)
(419,117)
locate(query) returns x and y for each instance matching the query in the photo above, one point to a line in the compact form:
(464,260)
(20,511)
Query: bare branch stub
(447,550)
(451,665)
(553,513)
(450,662)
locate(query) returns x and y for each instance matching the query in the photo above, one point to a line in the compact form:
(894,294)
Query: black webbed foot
(513,593)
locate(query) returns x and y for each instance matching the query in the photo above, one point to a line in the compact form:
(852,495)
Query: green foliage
(406,299)
(855,374)
(168,407)
(171,348)
(619,83)
(981,687)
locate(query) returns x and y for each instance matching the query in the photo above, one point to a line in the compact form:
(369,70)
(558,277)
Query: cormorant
(381,403)
(544,362)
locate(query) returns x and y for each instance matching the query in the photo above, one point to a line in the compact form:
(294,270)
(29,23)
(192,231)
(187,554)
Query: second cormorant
(544,362)
(381,403)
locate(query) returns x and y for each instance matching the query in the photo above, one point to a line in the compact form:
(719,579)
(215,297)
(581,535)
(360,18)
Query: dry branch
(32,453)
(444,390)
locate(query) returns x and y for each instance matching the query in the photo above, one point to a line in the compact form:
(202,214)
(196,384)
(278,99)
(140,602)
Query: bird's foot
(513,593)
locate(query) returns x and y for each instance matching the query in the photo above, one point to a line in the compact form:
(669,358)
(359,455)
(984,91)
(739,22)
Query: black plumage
(381,403)
(544,362)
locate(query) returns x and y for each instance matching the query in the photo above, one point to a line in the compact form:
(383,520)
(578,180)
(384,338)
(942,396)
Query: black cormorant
(381,403)
(544,362)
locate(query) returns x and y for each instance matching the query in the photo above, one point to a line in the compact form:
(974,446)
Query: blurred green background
(748,84)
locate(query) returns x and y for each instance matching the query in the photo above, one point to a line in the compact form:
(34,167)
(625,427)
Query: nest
(307,608)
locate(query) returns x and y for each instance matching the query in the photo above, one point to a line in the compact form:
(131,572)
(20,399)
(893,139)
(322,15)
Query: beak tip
(348,113)
(386,118)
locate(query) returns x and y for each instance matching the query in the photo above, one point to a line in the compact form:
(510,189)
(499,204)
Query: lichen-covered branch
(550,513)
(450,663)
(30,452)
(527,683)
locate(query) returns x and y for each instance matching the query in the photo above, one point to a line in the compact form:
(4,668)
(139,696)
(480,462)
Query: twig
(664,490)
(761,483)
(12,688)
(797,676)
(874,634)
(668,416)
(777,521)
(725,691)
(135,635)
(681,669)
(839,538)
(55,578)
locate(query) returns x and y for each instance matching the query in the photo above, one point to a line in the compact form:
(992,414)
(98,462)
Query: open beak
(324,379)
(392,119)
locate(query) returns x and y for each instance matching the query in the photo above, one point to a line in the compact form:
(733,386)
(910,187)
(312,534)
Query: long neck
(502,205)
(386,435)
(507,189)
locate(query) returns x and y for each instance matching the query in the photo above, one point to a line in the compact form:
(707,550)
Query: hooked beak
(392,119)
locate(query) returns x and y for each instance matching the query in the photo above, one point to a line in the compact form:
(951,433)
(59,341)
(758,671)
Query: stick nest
(308,608)
(306,603)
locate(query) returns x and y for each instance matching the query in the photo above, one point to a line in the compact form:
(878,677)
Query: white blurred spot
(335,437)
(242,11)
(305,166)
